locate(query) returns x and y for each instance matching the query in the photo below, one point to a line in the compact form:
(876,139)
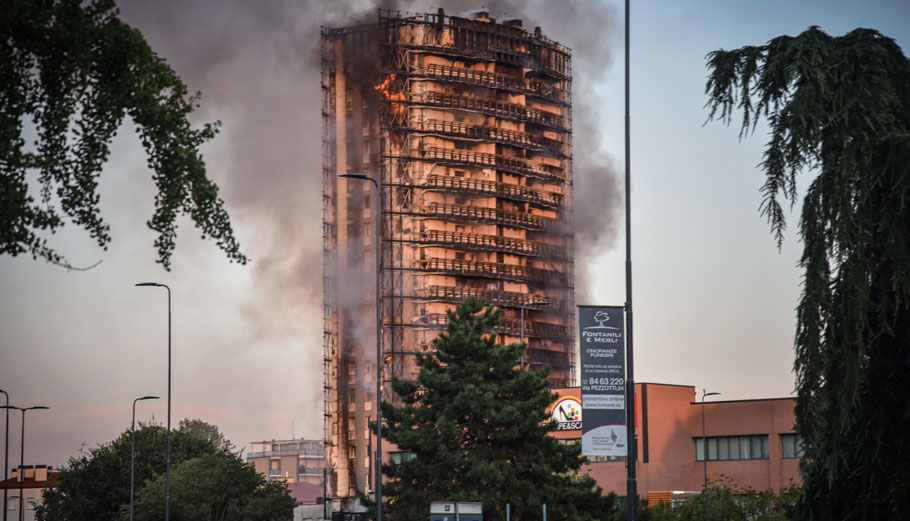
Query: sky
(713,297)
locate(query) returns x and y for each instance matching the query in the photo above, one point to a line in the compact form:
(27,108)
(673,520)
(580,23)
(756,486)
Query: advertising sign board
(603,372)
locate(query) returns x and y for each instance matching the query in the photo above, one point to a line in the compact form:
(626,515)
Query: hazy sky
(714,298)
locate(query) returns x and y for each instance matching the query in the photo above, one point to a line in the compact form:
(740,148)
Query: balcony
(476,214)
(490,107)
(514,138)
(492,188)
(494,42)
(492,270)
(491,80)
(515,165)
(507,326)
(495,243)
(506,299)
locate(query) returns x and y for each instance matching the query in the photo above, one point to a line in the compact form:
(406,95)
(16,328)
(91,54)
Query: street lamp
(541,303)
(704,442)
(22,457)
(167,471)
(5,454)
(378,219)
(133,448)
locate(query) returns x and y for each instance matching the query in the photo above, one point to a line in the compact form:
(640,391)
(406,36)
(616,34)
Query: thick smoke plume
(257,66)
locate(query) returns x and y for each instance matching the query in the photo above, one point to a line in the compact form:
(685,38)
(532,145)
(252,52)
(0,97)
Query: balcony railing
(482,215)
(489,133)
(507,326)
(491,80)
(488,106)
(488,243)
(456,157)
(493,188)
(510,299)
(490,41)
(492,270)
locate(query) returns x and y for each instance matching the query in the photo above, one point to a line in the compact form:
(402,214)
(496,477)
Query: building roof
(306,493)
(51,481)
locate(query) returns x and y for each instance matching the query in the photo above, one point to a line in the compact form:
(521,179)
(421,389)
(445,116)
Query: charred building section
(466,124)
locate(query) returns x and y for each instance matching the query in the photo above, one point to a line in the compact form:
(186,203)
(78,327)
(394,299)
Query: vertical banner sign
(603,380)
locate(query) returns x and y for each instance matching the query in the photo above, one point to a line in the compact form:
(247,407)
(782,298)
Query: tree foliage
(215,487)
(840,107)
(96,487)
(726,502)
(70,71)
(477,428)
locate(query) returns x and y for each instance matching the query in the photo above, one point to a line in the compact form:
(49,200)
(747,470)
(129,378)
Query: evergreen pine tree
(475,428)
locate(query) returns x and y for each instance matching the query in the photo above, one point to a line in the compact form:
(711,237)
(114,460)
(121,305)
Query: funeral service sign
(603,372)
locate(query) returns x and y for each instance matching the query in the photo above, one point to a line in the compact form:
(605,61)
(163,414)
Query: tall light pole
(378,219)
(704,441)
(167,471)
(541,303)
(133,449)
(632,455)
(22,457)
(5,454)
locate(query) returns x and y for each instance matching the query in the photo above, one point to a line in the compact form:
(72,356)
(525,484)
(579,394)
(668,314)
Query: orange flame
(396,97)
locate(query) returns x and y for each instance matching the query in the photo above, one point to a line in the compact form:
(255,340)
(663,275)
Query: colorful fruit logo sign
(603,384)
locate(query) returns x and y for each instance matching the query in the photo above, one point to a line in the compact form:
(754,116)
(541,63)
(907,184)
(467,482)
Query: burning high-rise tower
(466,124)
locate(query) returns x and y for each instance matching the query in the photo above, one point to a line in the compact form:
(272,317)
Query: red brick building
(749,441)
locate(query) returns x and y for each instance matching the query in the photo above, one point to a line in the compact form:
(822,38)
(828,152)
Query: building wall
(668,422)
(466,124)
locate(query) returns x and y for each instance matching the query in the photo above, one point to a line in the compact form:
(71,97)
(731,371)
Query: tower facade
(465,123)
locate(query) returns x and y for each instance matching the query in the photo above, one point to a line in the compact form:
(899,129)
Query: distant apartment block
(37,479)
(298,463)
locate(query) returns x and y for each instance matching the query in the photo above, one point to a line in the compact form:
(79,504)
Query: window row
(732,448)
(746,447)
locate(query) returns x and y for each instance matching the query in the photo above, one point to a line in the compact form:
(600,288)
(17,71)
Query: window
(11,504)
(30,504)
(723,448)
(792,446)
(275,467)
(401,457)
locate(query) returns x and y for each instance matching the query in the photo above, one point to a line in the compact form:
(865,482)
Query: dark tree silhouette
(839,107)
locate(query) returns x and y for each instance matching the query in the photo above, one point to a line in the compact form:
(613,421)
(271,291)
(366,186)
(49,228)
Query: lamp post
(5,454)
(133,449)
(167,471)
(22,457)
(704,441)
(541,303)
(378,219)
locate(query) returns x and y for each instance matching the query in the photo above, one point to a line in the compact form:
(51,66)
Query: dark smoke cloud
(257,65)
